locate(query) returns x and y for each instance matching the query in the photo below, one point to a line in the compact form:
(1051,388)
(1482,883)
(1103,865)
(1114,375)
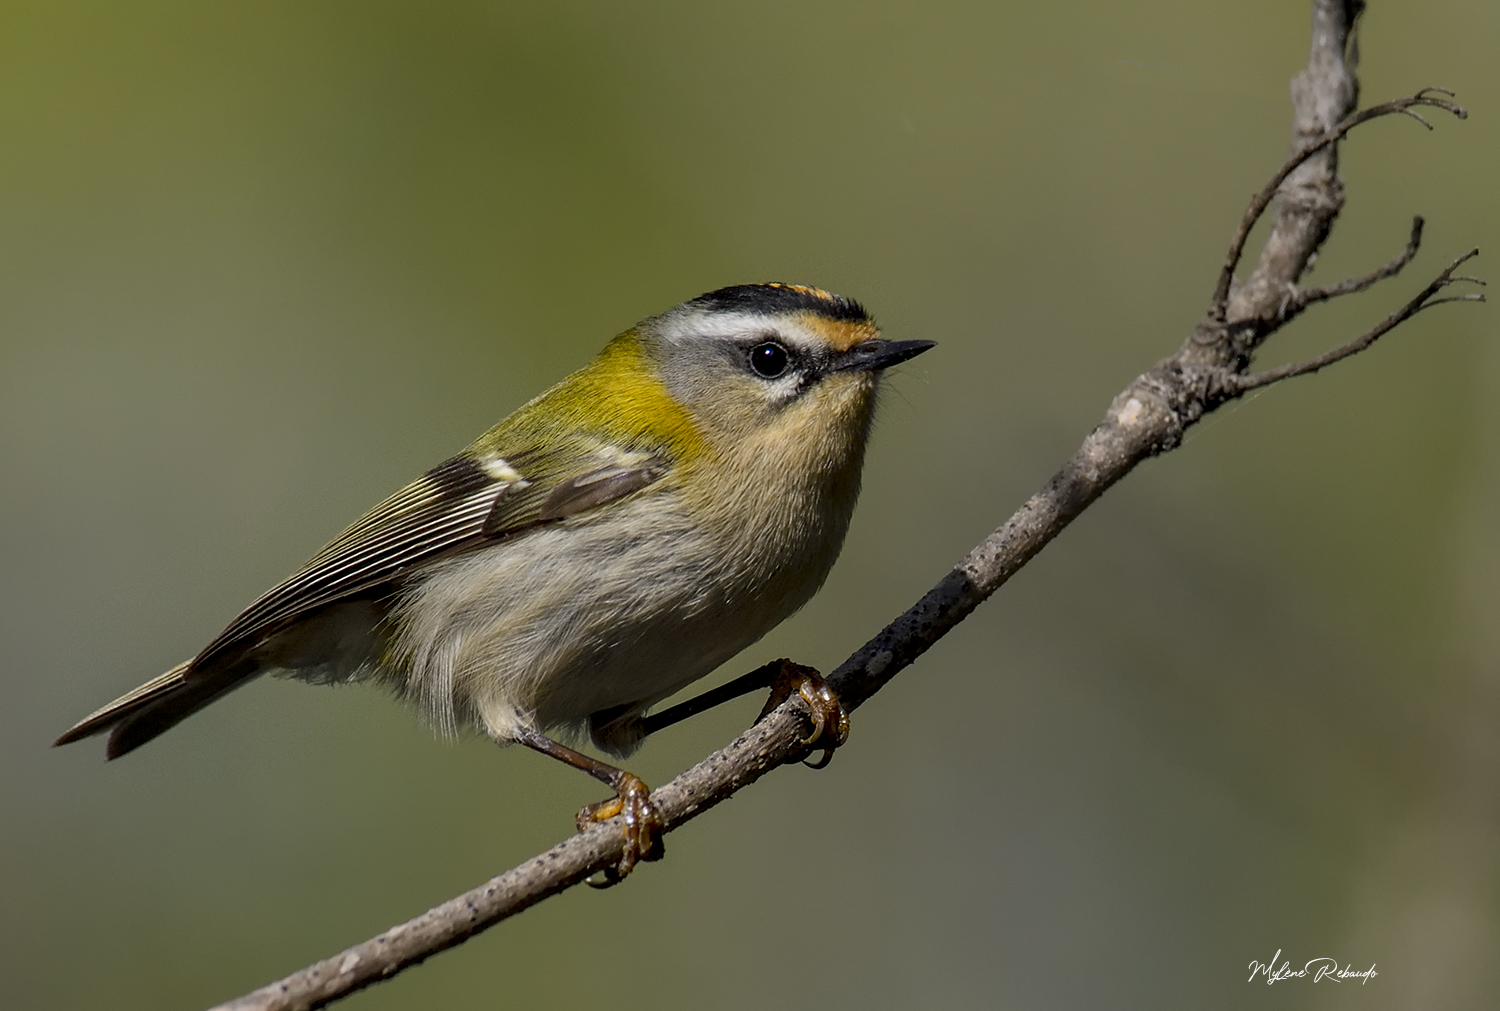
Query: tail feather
(126,705)
(155,707)
(162,716)
(339,643)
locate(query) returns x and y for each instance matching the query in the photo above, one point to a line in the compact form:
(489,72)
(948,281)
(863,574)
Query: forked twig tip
(1416,116)
(1428,96)
(1425,97)
(1241,384)
(1473,296)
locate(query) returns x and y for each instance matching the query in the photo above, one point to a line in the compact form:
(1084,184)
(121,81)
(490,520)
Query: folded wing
(462,504)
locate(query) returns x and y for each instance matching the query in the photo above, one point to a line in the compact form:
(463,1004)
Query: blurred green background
(261,263)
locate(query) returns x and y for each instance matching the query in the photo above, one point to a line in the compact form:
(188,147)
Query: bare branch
(1298,158)
(1148,417)
(1423,300)
(1309,296)
(772,742)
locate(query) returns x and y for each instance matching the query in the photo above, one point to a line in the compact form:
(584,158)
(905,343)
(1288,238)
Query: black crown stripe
(776,298)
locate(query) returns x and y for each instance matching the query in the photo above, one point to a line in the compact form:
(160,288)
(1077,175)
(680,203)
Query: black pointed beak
(871,356)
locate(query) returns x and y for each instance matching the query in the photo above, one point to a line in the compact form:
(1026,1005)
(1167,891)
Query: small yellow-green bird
(609,543)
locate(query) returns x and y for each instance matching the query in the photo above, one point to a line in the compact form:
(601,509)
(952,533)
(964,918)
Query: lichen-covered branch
(1149,417)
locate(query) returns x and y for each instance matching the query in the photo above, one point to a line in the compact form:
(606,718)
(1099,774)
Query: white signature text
(1318,970)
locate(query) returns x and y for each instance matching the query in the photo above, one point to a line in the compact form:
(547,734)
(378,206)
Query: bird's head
(773,363)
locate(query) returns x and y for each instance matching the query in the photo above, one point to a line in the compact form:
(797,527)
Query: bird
(614,540)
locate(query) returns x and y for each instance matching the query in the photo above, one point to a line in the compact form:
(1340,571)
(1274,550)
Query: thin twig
(1423,300)
(1309,296)
(1262,199)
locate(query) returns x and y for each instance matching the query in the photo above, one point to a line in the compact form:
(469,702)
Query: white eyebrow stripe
(743,326)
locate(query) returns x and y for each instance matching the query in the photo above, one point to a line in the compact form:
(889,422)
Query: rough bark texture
(1147,418)
(1323,95)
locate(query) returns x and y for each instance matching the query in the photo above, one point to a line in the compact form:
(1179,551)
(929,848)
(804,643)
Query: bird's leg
(632,801)
(829,718)
(757,679)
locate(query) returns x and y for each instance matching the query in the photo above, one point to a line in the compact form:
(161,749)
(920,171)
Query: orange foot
(830,719)
(641,824)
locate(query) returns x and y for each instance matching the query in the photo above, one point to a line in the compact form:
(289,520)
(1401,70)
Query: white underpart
(543,630)
(619,608)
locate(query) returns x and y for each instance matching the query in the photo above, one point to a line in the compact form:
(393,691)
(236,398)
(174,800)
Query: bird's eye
(769,360)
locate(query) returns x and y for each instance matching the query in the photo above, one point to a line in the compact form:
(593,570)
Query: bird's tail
(154,708)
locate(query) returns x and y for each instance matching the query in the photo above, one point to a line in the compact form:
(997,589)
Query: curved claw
(821,763)
(641,825)
(830,719)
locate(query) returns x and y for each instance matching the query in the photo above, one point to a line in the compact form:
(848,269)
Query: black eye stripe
(769,360)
